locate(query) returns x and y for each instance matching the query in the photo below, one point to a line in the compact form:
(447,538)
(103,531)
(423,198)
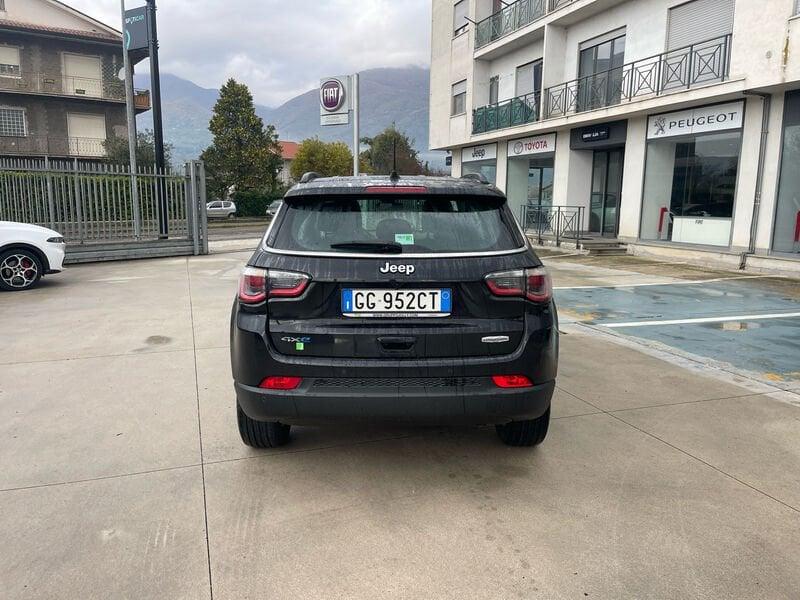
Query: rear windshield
(413,224)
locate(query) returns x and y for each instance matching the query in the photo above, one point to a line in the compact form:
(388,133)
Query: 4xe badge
(404,269)
(299,342)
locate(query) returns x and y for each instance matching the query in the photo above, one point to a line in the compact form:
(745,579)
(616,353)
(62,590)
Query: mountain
(388,95)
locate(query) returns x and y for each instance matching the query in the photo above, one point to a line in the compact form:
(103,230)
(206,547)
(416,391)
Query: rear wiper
(366,245)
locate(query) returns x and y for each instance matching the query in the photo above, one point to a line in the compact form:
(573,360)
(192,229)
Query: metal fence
(508,113)
(683,68)
(91,203)
(553,222)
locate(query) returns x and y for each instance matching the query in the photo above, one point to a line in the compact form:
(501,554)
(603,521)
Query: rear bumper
(441,390)
(321,400)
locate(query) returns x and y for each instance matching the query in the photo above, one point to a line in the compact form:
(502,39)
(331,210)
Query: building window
(494,89)
(690,175)
(460,22)
(12,122)
(600,73)
(459,105)
(529,79)
(2,4)
(787,214)
(9,61)
(699,21)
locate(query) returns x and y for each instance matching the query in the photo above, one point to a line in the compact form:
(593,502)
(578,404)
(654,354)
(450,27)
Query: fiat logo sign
(331,95)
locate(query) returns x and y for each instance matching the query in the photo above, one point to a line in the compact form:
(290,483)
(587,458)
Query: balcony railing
(508,113)
(42,145)
(684,68)
(62,85)
(513,17)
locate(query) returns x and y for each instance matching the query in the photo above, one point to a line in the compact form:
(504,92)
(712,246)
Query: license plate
(396,303)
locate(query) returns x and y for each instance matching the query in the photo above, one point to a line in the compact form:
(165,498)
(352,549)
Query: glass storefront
(787,214)
(690,175)
(487,168)
(481,160)
(530,172)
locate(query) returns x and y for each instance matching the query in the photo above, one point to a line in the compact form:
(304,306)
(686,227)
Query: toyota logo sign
(331,95)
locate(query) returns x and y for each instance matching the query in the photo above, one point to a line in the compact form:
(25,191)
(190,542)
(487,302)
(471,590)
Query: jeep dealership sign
(334,101)
(476,153)
(538,144)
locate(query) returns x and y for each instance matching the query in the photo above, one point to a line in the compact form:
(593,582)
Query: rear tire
(20,269)
(525,433)
(261,434)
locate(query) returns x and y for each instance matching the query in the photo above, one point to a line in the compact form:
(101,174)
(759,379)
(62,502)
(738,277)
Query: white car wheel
(20,269)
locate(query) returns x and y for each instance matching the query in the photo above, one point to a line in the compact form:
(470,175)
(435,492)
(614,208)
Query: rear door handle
(396,343)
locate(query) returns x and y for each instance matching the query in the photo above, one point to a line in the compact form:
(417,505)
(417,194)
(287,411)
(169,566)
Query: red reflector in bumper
(511,381)
(276,382)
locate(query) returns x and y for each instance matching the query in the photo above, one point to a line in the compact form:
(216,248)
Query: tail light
(533,284)
(512,381)
(286,284)
(255,284)
(280,382)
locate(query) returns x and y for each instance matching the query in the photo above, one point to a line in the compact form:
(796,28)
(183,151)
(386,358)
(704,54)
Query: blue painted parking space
(747,323)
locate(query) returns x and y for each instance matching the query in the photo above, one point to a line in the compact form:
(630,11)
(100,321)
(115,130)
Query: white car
(272,209)
(27,253)
(222,209)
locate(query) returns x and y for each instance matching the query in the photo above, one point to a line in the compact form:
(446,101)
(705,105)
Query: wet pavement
(749,323)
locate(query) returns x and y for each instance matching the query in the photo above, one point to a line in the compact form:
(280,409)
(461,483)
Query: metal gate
(102,209)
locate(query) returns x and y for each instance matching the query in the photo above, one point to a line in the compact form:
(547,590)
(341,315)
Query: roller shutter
(699,21)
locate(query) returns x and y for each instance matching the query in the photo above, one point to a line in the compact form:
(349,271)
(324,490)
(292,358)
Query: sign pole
(158,127)
(356,133)
(131,115)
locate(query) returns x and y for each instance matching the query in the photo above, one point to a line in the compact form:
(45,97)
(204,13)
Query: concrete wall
(761,31)
(505,67)
(632,177)
(451,62)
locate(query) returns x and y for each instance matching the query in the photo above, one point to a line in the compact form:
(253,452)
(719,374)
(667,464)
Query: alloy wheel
(19,271)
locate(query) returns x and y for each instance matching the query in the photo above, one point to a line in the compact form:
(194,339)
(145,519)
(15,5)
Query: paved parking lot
(123,475)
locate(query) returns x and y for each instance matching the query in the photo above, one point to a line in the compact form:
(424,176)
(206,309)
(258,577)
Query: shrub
(254,204)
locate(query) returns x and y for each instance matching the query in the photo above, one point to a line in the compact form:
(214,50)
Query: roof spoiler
(309,177)
(479,177)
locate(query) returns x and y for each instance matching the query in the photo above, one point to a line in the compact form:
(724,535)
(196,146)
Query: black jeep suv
(385,298)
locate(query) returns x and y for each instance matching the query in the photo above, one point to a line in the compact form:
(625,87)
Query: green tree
(117,151)
(327,159)
(244,154)
(388,146)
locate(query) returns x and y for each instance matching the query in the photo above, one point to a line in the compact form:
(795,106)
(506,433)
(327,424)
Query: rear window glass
(392,224)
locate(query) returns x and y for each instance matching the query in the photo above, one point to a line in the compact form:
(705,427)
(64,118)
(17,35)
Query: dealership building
(670,126)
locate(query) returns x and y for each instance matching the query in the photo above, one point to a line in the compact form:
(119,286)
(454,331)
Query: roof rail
(309,177)
(479,177)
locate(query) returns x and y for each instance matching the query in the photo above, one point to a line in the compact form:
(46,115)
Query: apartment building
(671,126)
(60,89)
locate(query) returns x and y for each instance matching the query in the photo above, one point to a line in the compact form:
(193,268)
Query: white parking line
(650,284)
(701,320)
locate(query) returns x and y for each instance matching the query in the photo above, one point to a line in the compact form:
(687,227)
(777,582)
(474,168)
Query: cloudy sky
(280,48)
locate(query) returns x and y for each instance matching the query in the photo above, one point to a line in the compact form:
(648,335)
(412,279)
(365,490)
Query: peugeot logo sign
(331,95)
